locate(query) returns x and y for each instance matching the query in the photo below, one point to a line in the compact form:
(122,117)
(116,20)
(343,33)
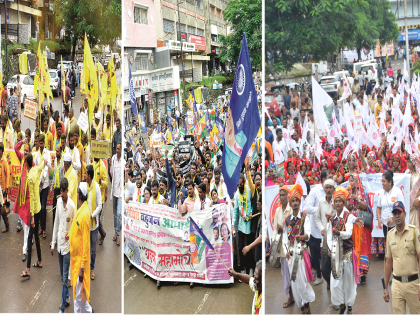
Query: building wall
(140,35)
(413,11)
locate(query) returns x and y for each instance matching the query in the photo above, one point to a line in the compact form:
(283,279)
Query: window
(168,26)
(199,4)
(141,62)
(182,28)
(200,32)
(219,13)
(140,15)
(214,37)
(191,30)
(213,9)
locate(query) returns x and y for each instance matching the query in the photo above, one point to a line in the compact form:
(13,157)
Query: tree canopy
(99,19)
(243,16)
(295,29)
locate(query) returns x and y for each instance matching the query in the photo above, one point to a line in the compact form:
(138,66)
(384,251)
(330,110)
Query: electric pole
(182,51)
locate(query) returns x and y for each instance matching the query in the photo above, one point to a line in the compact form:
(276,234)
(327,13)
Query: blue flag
(242,122)
(158,128)
(220,126)
(185,125)
(208,122)
(131,141)
(131,90)
(200,233)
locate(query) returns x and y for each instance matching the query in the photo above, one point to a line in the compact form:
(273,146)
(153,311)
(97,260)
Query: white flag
(301,182)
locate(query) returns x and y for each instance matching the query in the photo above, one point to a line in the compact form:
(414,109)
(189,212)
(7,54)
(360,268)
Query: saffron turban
(296,191)
(341,192)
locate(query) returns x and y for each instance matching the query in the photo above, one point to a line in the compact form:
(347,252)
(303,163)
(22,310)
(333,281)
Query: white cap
(67,157)
(97,116)
(148,152)
(83,188)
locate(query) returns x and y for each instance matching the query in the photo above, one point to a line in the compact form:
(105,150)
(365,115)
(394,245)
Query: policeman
(402,247)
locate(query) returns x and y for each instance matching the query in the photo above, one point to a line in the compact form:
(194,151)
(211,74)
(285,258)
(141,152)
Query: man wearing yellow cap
(297,229)
(343,289)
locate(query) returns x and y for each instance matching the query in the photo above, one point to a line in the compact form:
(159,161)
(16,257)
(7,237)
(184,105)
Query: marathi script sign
(30,109)
(100,149)
(161,243)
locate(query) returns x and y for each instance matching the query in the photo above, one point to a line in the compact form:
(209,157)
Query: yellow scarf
(92,188)
(24,178)
(57,175)
(4,138)
(66,174)
(156,201)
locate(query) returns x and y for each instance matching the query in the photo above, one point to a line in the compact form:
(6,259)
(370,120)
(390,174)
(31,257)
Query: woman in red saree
(357,202)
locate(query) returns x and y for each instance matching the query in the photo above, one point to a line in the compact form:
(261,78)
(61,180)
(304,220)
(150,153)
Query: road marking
(202,302)
(37,295)
(130,279)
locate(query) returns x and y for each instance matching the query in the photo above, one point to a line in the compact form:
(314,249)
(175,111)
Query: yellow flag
(113,83)
(38,82)
(91,79)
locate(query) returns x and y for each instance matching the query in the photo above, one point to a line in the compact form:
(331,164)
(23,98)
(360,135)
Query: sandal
(118,241)
(37,265)
(40,232)
(101,241)
(24,274)
(288,303)
(44,235)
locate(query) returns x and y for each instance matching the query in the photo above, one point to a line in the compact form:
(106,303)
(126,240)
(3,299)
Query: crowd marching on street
(56,162)
(154,175)
(325,156)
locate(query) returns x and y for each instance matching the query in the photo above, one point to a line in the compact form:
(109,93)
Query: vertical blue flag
(208,122)
(158,128)
(185,125)
(131,141)
(197,230)
(194,104)
(242,122)
(131,91)
(169,122)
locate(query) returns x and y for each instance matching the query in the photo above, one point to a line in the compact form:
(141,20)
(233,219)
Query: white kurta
(343,290)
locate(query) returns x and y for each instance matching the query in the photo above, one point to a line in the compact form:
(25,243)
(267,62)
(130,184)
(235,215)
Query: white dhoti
(80,303)
(25,229)
(344,290)
(302,290)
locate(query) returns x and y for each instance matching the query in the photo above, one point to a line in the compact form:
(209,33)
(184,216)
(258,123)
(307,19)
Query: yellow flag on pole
(91,79)
(113,79)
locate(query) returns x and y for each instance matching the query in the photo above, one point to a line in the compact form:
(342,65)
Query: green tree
(376,23)
(295,29)
(99,19)
(243,16)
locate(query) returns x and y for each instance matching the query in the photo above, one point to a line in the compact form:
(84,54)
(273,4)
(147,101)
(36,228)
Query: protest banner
(16,174)
(185,166)
(373,184)
(170,151)
(83,122)
(100,149)
(162,244)
(358,126)
(30,109)
(156,140)
(160,174)
(184,147)
(189,138)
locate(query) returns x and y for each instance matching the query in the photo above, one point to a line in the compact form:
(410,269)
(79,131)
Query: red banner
(199,41)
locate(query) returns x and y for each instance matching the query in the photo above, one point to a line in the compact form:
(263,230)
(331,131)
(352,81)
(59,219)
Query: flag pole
(221,259)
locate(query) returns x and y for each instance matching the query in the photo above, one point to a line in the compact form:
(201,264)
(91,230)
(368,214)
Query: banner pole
(221,259)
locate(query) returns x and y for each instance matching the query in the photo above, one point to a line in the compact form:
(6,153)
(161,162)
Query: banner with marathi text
(160,242)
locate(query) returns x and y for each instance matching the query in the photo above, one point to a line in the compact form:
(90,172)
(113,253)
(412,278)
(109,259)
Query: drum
(337,257)
(297,252)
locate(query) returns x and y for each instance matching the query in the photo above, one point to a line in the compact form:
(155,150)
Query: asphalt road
(141,296)
(42,292)
(369,298)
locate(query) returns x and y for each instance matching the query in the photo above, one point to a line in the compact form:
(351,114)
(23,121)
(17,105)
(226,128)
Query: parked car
(55,83)
(330,84)
(27,85)
(274,101)
(341,74)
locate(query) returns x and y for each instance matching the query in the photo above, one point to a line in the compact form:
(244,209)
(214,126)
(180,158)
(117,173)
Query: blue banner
(242,122)
(412,35)
(143,122)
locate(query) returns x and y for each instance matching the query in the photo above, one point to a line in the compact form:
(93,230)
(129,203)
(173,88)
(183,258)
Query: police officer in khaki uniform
(402,247)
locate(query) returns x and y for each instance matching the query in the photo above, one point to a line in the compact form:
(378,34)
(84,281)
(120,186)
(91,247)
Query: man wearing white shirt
(156,197)
(311,207)
(65,213)
(202,202)
(95,207)
(396,98)
(117,165)
(130,187)
(44,180)
(279,147)
(74,152)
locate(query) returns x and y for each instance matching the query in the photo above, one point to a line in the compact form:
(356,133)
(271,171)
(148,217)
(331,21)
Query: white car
(55,83)
(330,84)
(27,85)
(341,74)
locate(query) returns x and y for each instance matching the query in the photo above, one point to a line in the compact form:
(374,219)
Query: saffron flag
(243,121)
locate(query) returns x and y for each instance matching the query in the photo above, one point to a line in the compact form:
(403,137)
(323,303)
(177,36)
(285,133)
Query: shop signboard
(199,41)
